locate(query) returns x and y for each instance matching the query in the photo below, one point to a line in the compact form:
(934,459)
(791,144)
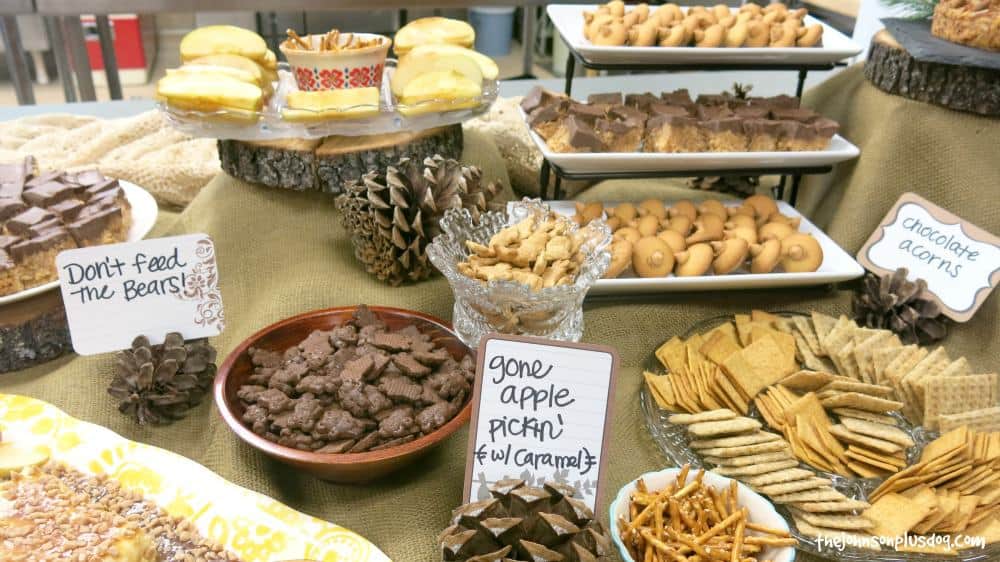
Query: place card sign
(151,287)
(959,261)
(541,411)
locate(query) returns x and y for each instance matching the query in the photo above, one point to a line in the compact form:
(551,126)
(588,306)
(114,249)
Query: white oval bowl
(761,511)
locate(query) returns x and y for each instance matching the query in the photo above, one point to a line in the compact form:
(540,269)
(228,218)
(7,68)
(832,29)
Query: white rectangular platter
(568,19)
(839,150)
(837,266)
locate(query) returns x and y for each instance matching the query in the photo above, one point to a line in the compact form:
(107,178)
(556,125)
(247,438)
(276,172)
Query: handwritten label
(959,261)
(151,287)
(541,412)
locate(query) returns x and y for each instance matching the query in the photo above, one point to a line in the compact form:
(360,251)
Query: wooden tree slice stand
(327,164)
(33,331)
(964,88)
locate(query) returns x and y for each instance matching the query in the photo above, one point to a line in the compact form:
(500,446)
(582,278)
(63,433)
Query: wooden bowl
(346,467)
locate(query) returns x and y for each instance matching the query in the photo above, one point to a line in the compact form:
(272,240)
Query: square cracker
(986,419)
(864,352)
(846,385)
(726,387)
(853,455)
(862,402)
(845,505)
(719,346)
(804,327)
(709,416)
(880,445)
(756,469)
(889,433)
(930,365)
(838,337)
(807,381)
(867,416)
(723,427)
(736,441)
(941,447)
(843,522)
(809,359)
(894,515)
(672,355)
(757,366)
(794,486)
(826,494)
(854,539)
(823,325)
(845,361)
(750,459)
(881,358)
(779,476)
(959,393)
(744,450)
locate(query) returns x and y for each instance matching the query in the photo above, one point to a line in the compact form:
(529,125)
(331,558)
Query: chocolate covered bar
(10,283)
(36,257)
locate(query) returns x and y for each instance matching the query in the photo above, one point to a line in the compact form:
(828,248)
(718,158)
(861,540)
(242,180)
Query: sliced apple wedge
(441,90)
(198,70)
(233,61)
(15,457)
(352,103)
(487,65)
(222,39)
(209,92)
(418,63)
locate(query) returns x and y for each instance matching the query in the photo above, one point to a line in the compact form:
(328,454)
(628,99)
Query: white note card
(116,292)
(541,412)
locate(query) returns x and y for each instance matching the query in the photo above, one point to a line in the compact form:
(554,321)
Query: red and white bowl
(316,70)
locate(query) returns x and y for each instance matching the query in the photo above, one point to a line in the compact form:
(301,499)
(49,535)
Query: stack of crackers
(867,442)
(741,449)
(935,391)
(954,488)
(725,367)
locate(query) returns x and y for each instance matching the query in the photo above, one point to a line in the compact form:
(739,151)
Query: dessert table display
(378,390)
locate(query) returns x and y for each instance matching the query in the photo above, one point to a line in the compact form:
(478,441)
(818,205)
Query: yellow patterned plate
(252,526)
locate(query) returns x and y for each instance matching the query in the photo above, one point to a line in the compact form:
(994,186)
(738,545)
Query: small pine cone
(893,303)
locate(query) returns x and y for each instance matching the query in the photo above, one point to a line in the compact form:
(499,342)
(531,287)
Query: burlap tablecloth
(281,253)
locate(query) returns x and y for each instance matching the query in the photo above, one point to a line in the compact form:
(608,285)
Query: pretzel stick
(738,538)
(769,541)
(296,39)
(768,530)
(723,525)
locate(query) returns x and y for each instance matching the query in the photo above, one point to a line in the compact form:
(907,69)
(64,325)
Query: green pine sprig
(915,9)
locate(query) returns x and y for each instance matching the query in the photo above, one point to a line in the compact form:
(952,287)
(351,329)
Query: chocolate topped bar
(774,101)
(751,111)
(537,97)
(67,210)
(6,263)
(36,230)
(48,193)
(664,109)
(17,172)
(730,124)
(714,99)
(11,190)
(611,98)
(826,127)
(544,114)
(581,136)
(762,127)
(677,97)
(706,112)
(671,120)
(10,208)
(53,238)
(99,187)
(92,228)
(800,114)
(6,241)
(641,101)
(586,112)
(43,178)
(625,113)
(20,223)
(84,177)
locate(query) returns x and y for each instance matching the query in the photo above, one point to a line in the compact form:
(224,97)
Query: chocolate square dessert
(641,101)
(20,223)
(807,136)
(576,135)
(674,133)
(103,227)
(774,101)
(538,97)
(48,193)
(620,135)
(751,111)
(67,210)
(84,177)
(664,109)
(545,120)
(36,258)
(706,112)
(52,175)
(36,230)
(10,283)
(624,113)
(611,98)
(100,187)
(677,97)
(725,134)
(9,208)
(6,241)
(714,99)
(11,190)
(800,114)
(762,134)
(17,172)
(586,112)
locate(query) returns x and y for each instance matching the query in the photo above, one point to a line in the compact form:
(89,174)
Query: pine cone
(740,185)
(893,303)
(522,523)
(157,383)
(392,217)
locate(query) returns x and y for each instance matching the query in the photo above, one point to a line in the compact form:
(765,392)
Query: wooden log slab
(964,88)
(329,163)
(33,331)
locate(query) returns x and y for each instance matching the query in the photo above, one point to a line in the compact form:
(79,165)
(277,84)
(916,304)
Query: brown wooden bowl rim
(331,459)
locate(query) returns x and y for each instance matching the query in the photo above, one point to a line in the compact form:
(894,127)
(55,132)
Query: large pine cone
(523,523)
(393,216)
(156,384)
(893,303)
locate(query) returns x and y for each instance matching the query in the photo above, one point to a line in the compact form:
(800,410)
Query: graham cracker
(723,427)
(818,495)
(744,450)
(864,352)
(846,385)
(711,415)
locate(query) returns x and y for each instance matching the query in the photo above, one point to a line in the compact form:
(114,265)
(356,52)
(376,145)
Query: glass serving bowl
(510,307)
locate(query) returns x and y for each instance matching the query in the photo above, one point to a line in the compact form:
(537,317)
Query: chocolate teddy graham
(672,122)
(44,214)
(359,387)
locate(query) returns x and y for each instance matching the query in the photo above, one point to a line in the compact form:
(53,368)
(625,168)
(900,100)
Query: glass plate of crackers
(826,448)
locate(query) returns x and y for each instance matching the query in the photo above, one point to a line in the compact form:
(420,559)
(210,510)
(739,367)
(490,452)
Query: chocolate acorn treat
(523,523)
(393,216)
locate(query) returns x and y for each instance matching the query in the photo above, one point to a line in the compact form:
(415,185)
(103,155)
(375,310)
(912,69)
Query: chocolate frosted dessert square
(665,109)
(612,98)
(620,135)
(10,283)
(17,173)
(11,190)
(6,241)
(670,133)
(725,135)
(36,258)
(20,223)
(9,208)
(103,227)
(545,120)
(774,101)
(677,97)
(751,112)
(48,194)
(641,101)
(576,135)
(43,178)
(800,114)
(587,113)
(67,210)
(762,134)
(99,187)
(538,97)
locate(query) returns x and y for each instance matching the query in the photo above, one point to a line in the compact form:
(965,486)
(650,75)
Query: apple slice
(198,70)
(231,61)
(486,65)
(15,457)
(352,103)
(420,63)
(220,39)
(209,91)
(440,90)
(270,60)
